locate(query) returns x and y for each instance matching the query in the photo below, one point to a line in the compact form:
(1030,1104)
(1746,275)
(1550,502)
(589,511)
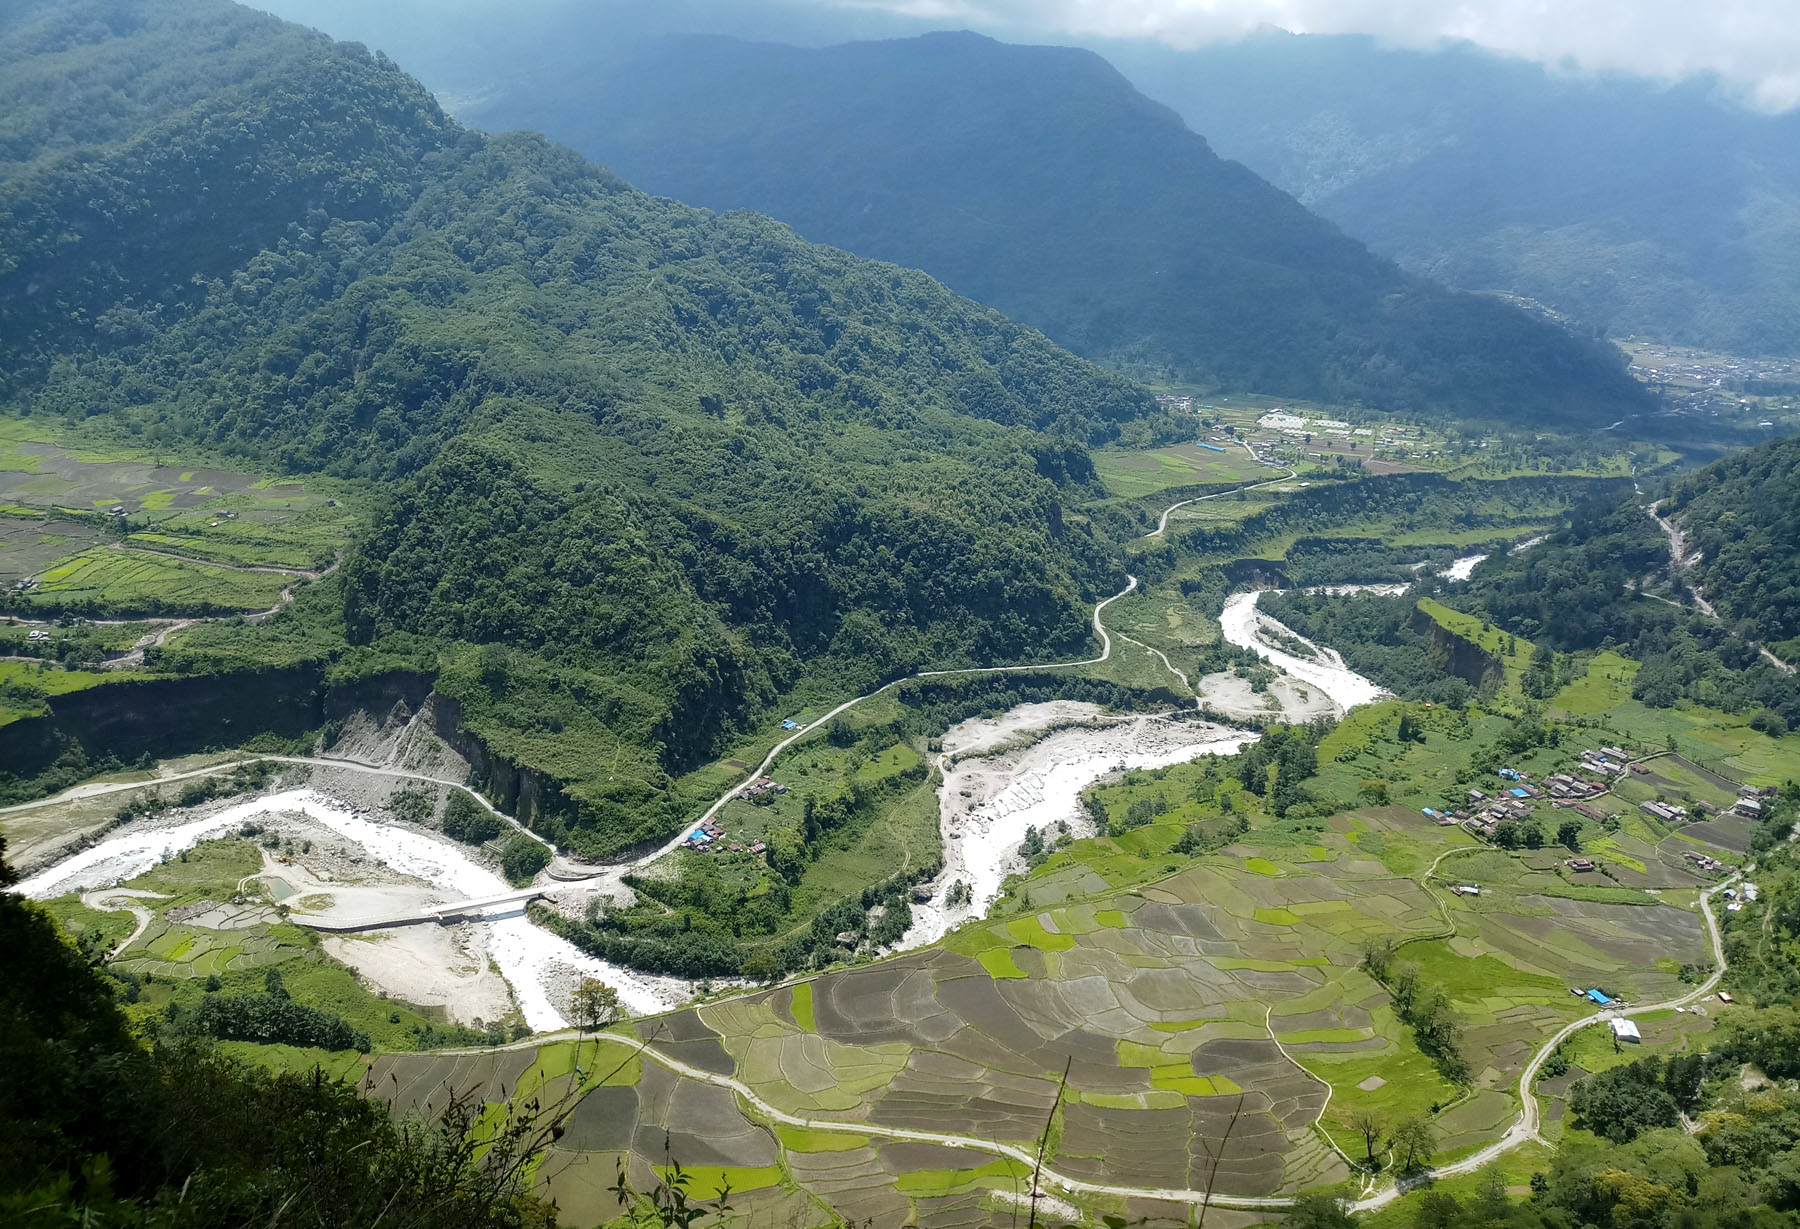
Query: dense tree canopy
(643,468)
(1741,521)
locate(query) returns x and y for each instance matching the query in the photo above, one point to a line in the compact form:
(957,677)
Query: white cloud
(1755,44)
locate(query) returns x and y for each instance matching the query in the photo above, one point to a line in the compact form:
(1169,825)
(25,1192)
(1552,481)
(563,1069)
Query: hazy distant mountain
(1037,180)
(1662,210)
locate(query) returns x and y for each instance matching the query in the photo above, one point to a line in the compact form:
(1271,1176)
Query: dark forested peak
(86,73)
(1037,180)
(149,149)
(257,176)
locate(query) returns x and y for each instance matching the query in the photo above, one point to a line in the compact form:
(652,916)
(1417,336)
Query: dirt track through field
(1162,522)
(1525,1128)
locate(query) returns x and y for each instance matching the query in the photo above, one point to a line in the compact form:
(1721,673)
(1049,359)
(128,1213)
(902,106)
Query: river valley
(1026,768)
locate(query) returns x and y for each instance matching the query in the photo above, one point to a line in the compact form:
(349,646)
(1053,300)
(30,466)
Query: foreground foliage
(95,1129)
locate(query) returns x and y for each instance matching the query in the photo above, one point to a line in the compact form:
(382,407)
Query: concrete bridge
(442,914)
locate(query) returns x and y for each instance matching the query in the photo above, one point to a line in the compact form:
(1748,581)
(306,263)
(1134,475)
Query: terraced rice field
(123,578)
(29,544)
(1227,990)
(179,519)
(174,950)
(1142,473)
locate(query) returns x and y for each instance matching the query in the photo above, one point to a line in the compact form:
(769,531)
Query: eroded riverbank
(998,780)
(1247,627)
(407,868)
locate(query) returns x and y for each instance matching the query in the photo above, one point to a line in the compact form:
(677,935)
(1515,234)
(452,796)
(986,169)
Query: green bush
(468,821)
(270,1019)
(523,858)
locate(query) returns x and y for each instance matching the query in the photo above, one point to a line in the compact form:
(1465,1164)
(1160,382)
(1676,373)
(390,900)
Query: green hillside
(660,466)
(1037,180)
(1740,520)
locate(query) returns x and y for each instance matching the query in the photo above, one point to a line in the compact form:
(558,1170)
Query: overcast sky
(1753,43)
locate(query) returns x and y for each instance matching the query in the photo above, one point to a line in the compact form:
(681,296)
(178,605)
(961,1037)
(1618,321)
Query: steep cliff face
(509,786)
(1257,574)
(1456,656)
(123,722)
(127,720)
(130,719)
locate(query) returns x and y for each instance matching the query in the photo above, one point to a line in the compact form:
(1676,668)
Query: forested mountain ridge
(1740,524)
(117,207)
(1637,205)
(657,465)
(1037,180)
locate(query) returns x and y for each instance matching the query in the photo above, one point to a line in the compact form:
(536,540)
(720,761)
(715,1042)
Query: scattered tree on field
(1368,1124)
(1413,1142)
(595,1006)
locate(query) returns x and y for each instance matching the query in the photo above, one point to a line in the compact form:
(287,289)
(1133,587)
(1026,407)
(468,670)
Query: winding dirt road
(675,842)
(118,900)
(1680,560)
(133,657)
(1162,522)
(1525,1129)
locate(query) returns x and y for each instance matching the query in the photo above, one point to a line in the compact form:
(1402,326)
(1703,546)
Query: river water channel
(1025,769)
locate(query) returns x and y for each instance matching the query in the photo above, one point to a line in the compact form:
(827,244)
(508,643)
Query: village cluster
(1485,812)
(1594,774)
(711,835)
